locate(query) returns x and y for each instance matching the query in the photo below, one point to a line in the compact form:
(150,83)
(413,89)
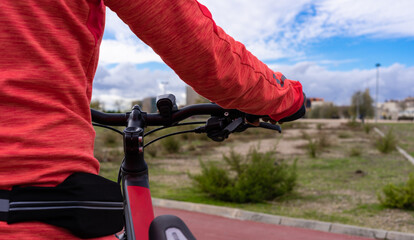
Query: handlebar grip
(270,126)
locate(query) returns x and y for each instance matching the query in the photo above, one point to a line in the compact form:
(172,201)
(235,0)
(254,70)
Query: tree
(362,105)
(328,110)
(98,105)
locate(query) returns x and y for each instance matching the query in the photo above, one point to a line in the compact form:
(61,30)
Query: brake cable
(175,125)
(108,127)
(169,135)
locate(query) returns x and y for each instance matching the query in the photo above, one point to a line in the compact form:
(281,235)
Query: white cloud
(278,29)
(123,46)
(376,19)
(118,51)
(126,82)
(395,82)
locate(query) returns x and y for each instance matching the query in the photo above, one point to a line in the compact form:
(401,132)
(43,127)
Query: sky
(330,46)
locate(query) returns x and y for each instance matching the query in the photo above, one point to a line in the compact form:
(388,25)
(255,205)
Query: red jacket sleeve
(219,68)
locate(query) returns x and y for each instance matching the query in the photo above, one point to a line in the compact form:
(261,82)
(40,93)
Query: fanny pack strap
(6,207)
(88,205)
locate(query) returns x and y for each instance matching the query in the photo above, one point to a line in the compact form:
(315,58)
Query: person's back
(47,63)
(49,54)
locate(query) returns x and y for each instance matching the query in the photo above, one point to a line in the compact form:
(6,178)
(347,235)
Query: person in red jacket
(49,54)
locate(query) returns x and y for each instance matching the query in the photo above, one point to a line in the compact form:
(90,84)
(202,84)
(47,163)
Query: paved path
(210,227)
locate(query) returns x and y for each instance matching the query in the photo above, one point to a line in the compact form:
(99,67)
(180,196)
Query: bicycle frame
(134,176)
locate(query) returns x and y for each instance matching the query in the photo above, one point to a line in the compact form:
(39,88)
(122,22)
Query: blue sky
(331,46)
(362,52)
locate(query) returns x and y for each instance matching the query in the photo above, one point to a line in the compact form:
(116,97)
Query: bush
(312,148)
(151,151)
(171,144)
(368,127)
(111,139)
(353,124)
(253,178)
(355,152)
(388,143)
(323,141)
(319,126)
(108,154)
(316,145)
(344,135)
(399,196)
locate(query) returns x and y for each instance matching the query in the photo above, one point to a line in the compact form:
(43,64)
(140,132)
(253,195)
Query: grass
(403,132)
(339,185)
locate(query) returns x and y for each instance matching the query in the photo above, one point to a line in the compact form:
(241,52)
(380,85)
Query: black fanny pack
(87,205)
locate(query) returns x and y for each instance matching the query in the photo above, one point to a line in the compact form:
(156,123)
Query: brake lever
(233,126)
(216,132)
(261,125)
(270,126)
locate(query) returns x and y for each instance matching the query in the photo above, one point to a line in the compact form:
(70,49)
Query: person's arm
(219,68)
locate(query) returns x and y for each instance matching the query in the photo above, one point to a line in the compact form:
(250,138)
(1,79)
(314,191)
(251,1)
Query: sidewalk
(209,227)
(215,222)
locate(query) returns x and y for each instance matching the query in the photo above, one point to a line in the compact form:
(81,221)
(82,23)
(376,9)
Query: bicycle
(133,173)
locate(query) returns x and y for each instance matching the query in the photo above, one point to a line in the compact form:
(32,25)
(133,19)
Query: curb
(234,213)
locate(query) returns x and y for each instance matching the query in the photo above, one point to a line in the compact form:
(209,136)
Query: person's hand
(299,114)
(255,121)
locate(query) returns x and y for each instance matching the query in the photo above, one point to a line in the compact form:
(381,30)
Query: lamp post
(163,84)
(376,93)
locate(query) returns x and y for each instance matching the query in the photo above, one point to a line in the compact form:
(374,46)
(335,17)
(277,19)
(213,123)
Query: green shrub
(355,152)
(312,147)
(323,141)
(305,135)
(399,196)
(253,178)
(319,126)
(388,143)
(214,180)
(353,123)
(111,139)
(344,135)
(108,154)
(171,144)
(151,151)
(368,127)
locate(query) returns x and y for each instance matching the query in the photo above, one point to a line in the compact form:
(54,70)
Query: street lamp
(163,86)
(376,93)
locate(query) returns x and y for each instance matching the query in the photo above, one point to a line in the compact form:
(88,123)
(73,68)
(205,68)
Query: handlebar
(219,126)
(155,119)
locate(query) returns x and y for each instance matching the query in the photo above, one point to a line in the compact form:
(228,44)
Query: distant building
(193,97)
(149,105)
(315,102)
(391,108)
(137,102)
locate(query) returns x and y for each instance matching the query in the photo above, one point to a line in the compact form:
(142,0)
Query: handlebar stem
(133,142)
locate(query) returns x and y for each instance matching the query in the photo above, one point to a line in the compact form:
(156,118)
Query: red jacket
(49,54)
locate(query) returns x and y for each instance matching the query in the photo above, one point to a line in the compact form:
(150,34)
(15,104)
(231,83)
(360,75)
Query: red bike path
(210,227)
